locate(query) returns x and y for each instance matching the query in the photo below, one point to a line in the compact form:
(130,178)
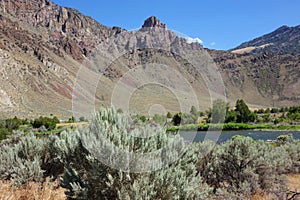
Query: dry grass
(249,49)
(77,124)
(31,191)
(261,196)
(293,182)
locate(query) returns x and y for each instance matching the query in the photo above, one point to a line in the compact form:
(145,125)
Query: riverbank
(233,127)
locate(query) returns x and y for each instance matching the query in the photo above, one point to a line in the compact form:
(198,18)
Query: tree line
(9,125)
(222,113)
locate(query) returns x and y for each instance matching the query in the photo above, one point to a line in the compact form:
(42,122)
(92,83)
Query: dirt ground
(31,191)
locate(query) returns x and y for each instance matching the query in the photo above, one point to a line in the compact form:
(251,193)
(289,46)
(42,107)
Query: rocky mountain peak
(153,22)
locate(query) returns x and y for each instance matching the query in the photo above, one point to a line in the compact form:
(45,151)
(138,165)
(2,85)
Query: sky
(219,24)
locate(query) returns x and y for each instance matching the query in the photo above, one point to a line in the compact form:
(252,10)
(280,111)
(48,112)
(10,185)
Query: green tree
(253,117)
(242,111)
(81,119)
(294,113)
(119,110)
(230,116)
(219,109)
(13,124)
(260,111)
(193,111)
(49,123)
(194,115)
(143,118)
(266,118)
(274,110)
(169,115)
(201,114)
(72,120)
(176,120)
(268,110)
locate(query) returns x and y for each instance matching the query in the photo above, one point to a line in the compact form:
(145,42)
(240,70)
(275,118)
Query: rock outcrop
(153,22)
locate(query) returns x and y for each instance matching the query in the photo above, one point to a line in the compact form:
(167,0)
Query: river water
(220,137)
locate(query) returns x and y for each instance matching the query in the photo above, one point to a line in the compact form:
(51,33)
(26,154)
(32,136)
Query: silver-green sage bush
(108,173)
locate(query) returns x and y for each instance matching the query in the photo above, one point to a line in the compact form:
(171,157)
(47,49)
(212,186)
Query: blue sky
(220,24)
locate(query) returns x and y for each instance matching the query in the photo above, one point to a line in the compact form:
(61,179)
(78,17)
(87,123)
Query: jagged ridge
(281,41)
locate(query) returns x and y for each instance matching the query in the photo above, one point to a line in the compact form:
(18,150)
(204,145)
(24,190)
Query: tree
(143,118)
(13,124)
(268,110)
(176,120)
(169,115)
(201,114)
(266,118)
(49,123)
(219,110)
(194,115)
(274,110)
(81,119)
(72,120)
(242,111)
(253,117)
(119,110)
(193,111)
(230,116)
(294,113)
(160,119)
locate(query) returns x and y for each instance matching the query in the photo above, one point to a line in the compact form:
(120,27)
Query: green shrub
(93,165)
(242,165)
(21,159)
(13,124)
(293,150)
(4,132)
(94,179)
(49,123)
(159,119)
(169,115)
(30,158)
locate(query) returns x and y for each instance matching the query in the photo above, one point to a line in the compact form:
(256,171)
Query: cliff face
(43,45)
(61,28)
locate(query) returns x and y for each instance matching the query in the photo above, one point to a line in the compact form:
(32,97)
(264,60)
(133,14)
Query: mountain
(42,46)
(265,78)
(284,40)
(46,50)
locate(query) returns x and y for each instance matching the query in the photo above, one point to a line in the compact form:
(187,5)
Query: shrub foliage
(91,164)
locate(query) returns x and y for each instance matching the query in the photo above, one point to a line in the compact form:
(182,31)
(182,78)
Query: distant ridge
(281,41)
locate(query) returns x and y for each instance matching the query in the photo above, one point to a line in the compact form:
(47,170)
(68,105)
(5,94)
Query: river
(190,136)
